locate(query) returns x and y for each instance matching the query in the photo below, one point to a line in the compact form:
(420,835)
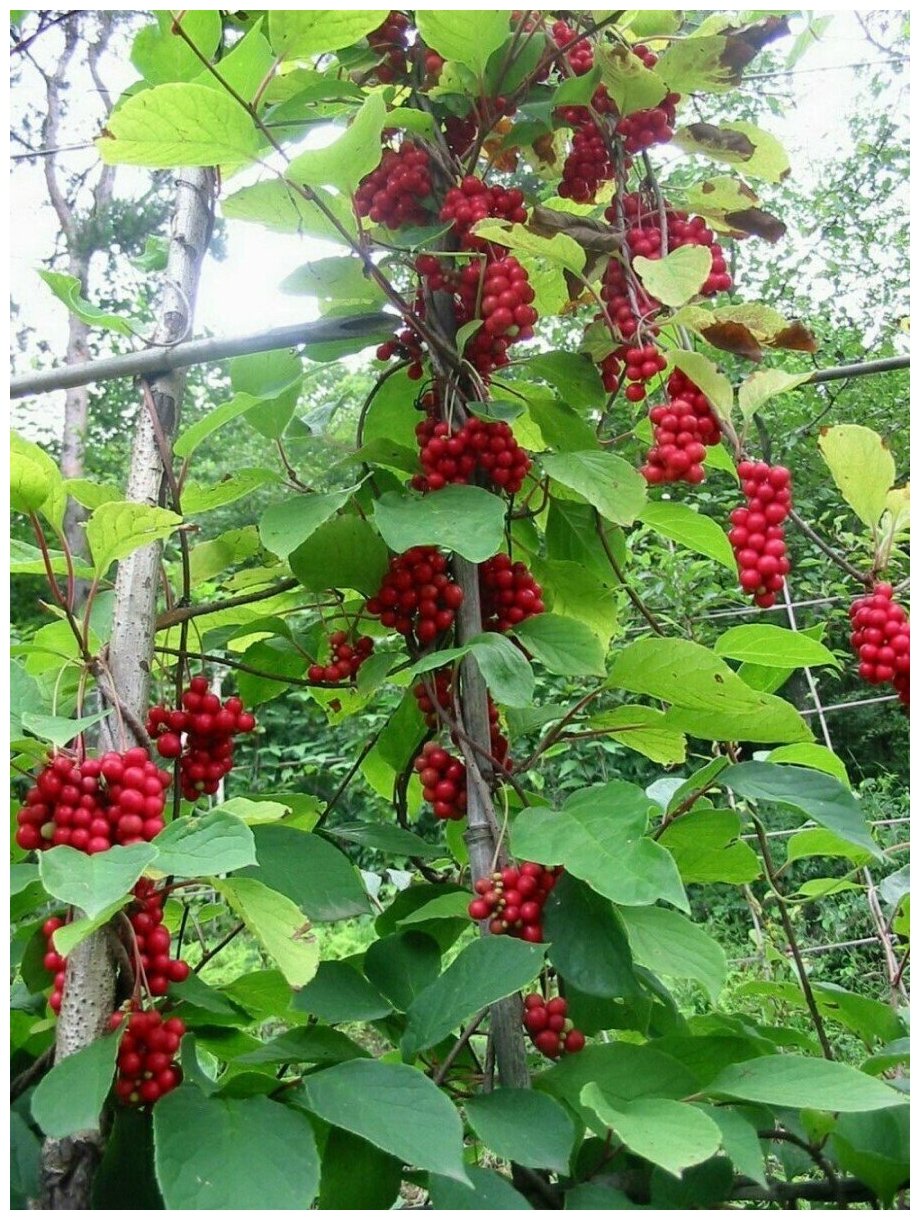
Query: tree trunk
(68,1165)
(73,442)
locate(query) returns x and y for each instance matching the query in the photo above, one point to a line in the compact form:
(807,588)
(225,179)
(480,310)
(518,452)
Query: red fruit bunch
(500,293)
(54,963)
(455,455)
(465,205)
(757,535)
(417,596)
(508,592)
(439,686)
(392,194)
(345,661)
(406,346)
(90,804)
(153,940)
(209,727)
(579,56)
(881,640)
(390,40)
(443,781)
(513,899)
(147,1069)
(587,164)
(643,235)
(644,128)
(551,1031)
(683,428)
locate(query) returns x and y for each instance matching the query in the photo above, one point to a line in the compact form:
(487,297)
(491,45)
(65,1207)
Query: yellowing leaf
(737,143)
(558,249)
(631,85)
(677,277)
(117,528)
(862,466)
(277,923)
(765,384)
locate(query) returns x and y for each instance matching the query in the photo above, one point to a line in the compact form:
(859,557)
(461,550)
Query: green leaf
(523,1126)
(490,1191)
(676,278)
(623,1071)
(93,883)
(343,553)
(588,942)
(708,698)
(337,281)
(348,159)
(559,250)
(35,481)
(629,82)
(179,124)
(309,871)
(280,208)
(70,1098)
(667,1133)
(245,67)
(25,1163)
(505,669)
(72,934)
(643,729)
(562,645)
(161,56)
(573,374)
(738,143)
(669,943)
(340,993)
(285,526)
(382,837)
(817,795)
(189,440)
(818,758)
(778,647)
(817,841)
(599,836)
(875,1147)
(487,970)
(765,384)
(356,1176)
(468,520)
(58,729)
(871,1020)
(444,906)
(691,529)
(394,1107)
(577,593)
(862,466)
(606,481)
(67,288)
(706,847)
(277,924)
(703,373)
(801,1082)
(215,842)
(313,1044)
(257,1154)
(455,37)
(698,64)
(303,34)
(116,529)
(401,966)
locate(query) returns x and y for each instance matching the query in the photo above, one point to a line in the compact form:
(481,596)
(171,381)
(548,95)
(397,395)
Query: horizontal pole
(380,326)
(157,360)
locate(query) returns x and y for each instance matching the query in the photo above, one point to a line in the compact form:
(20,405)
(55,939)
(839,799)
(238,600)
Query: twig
(621,577)
(172,618)
(468,1031)
(33,1072)
(211,953)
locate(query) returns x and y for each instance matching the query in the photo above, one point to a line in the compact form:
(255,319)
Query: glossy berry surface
(683,429)
(146,1066)
(347,657)
(457,455)
(881,639)
(443,781)
(508,592)
(512,900)
(417,597)
(393,193)
(550,1029)
(757,535)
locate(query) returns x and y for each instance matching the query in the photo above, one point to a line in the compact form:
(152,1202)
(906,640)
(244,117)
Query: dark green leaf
(490,1191)
(310,871)
(71,1096)
(93,883)
(403,965)
(798,1081)
(563,645)
(523,1126)
(339,993)
(344,553)
(588,942)
(357,1176)
(465,519)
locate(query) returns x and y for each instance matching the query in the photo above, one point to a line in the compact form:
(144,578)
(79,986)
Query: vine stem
(621,577)
(804,981)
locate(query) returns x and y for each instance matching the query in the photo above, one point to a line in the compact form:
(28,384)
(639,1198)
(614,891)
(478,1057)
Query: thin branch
(222,944)
(621,577)
(172,618)
(467,1033)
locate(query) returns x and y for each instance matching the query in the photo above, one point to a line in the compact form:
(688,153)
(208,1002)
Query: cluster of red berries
(406,346)
(417,595)
(513,900)
(881,640)
(579,56)
(443,781)
(346,660)
(465,205)
(504,295)
(392,194)
(644,128)
(551,1031)
(390,41)
(757,535)
(442,692)
(587,164)
(508,592)
(683,428)
(147,1069)
(644,236)
(53,962)
(454,456)
(153,940)
(206,754)
(90,804)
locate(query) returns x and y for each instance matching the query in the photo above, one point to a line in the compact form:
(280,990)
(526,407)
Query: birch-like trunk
(89,995)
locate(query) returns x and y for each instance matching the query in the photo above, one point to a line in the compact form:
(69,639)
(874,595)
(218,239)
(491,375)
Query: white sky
(241,294)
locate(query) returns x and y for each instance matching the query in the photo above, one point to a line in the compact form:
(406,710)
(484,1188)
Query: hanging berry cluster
(472,201)
(393,193)
(457,455)
(508,592)
(152,939)
(390,41)
(757,535)
(439,686)
(54,963)
(147,1069)
(881,640)
(443,781)
(209,728)
(512,900)
(417,598)
(551,1031)
(682,428)
(347,658)
(92,803)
